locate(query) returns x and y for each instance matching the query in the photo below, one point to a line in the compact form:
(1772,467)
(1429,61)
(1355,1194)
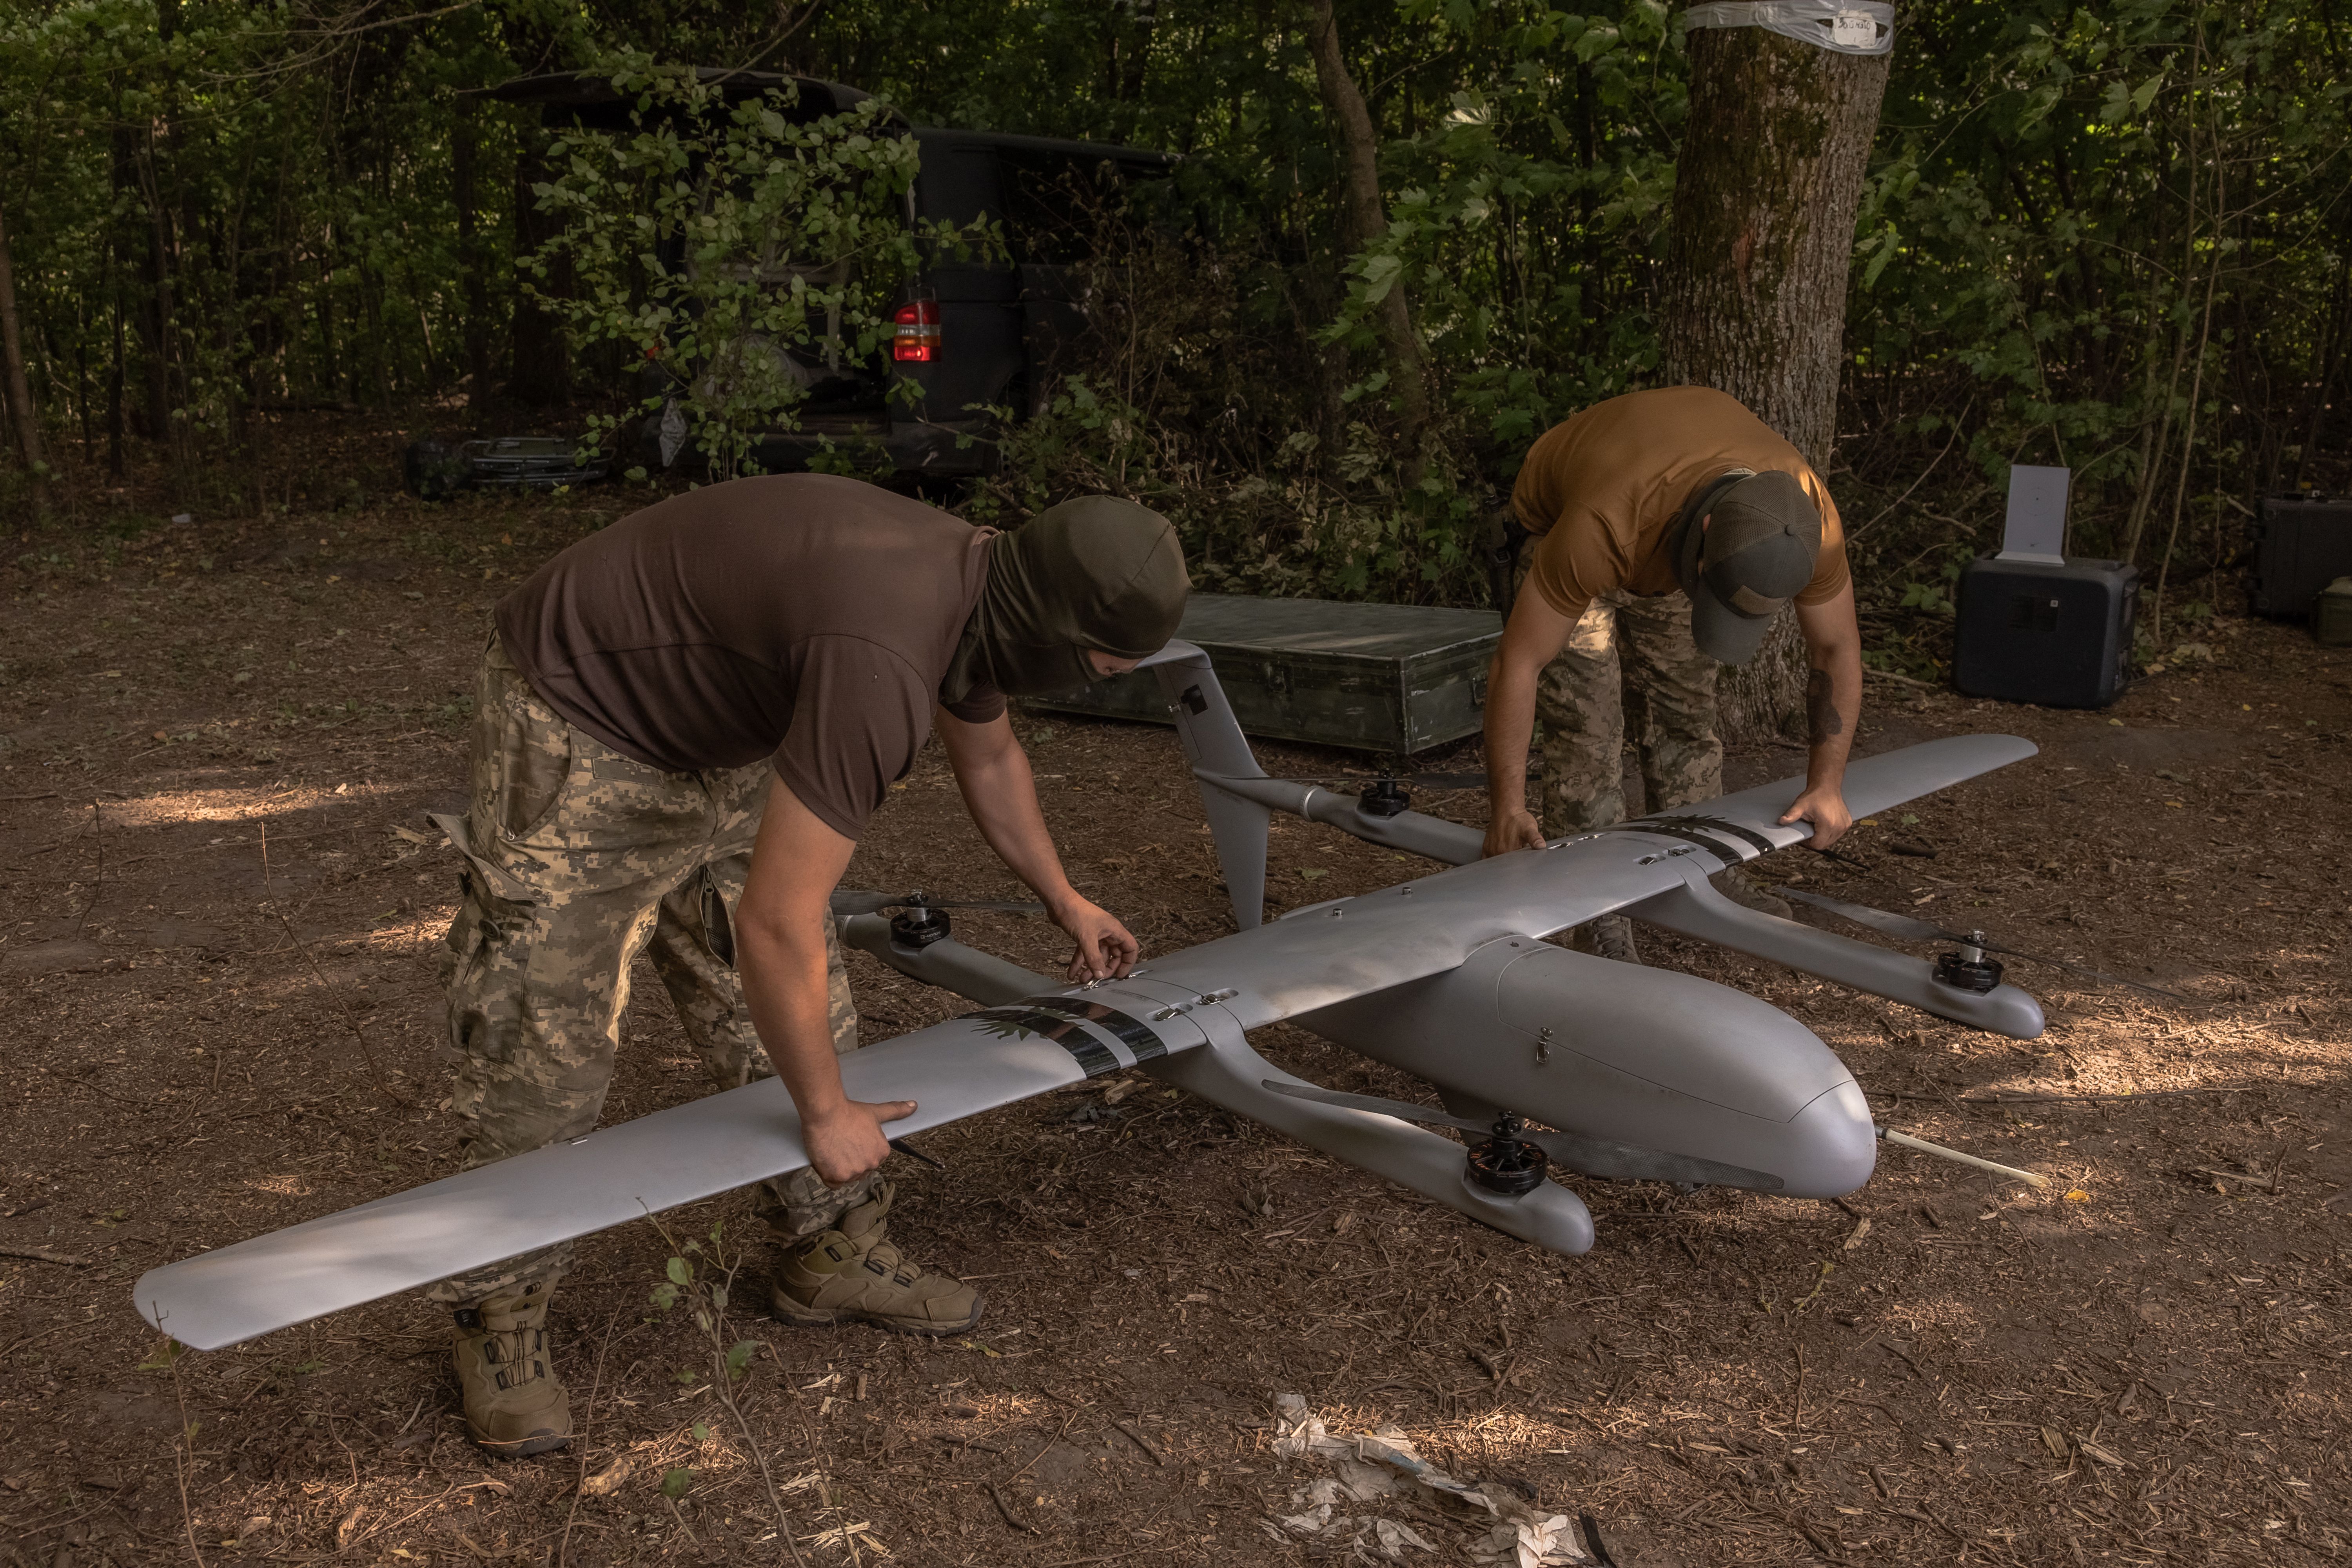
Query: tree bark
(21,412)
(1367,221)
(1766,187)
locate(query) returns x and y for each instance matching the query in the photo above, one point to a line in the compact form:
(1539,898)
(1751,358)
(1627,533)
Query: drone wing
(687,1152)
(1331,952)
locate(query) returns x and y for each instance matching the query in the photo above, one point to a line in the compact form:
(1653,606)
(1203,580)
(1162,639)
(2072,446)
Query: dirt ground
(217,741)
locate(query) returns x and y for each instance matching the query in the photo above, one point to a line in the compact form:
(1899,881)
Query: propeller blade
(1450,781)
(1864,915)
(1920,930)
(863,901)
(1410,781)
(847,901)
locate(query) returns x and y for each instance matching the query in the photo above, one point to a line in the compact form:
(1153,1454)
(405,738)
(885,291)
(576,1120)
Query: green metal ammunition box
(1388,679)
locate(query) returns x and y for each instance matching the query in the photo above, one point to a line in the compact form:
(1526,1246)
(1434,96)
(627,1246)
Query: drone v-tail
(1565,1064)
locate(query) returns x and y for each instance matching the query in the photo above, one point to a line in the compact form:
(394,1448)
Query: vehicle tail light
(918,333)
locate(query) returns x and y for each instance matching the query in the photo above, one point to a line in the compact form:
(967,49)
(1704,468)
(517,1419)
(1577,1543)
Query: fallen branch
(43,1254)
(1005,1508)
(1141,1441)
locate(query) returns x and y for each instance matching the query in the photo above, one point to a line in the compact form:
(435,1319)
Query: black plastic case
(2060,636)
(2305,545)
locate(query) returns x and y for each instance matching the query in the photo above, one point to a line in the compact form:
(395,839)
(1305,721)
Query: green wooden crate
(1387,679)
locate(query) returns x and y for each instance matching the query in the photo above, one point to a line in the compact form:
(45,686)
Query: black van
(968,337)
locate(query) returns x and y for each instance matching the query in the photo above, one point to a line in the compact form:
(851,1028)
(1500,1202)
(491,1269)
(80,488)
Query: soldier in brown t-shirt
(680,728)
(1665,530)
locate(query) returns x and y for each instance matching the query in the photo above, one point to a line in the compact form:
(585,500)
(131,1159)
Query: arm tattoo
(1821,719)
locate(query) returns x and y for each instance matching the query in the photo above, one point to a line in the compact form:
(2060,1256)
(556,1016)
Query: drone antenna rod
(1905,1140)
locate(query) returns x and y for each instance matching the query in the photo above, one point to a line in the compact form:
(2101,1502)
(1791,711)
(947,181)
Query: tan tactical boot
(1611,936)
(514,1405)
(1734,885)
(852,1273)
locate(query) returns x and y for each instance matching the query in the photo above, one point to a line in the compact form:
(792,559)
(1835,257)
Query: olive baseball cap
(1745,550)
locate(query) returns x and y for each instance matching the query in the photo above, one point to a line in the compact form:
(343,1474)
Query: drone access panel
(1391,680)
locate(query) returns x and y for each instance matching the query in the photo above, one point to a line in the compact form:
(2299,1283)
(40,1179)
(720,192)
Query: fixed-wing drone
(1631,1073)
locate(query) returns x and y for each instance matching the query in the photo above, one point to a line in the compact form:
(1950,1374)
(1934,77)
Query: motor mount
(919,925)
(1507,1163)
(1968,969)
(1384,798)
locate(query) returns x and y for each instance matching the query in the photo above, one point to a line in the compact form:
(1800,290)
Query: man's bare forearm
(1833,688)
(1833,702)
(1509,729)
(788,993)
(1000,791)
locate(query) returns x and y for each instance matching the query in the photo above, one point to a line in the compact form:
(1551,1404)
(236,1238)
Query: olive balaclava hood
(1095,573)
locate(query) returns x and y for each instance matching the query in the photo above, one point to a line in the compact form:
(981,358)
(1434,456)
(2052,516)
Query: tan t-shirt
(1602,488)
(802,616)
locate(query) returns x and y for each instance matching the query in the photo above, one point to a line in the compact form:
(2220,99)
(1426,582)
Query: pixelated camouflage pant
(1626,652)
(577,859)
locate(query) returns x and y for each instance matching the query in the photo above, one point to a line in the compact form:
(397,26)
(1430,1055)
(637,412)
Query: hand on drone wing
(1825,807)
(1104,949)
(1514,830)
(848,1141)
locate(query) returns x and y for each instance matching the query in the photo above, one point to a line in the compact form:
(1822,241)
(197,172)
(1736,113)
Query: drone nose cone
(1833,1145)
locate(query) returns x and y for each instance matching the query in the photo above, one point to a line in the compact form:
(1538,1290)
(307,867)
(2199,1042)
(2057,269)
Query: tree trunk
(21,412)
(1766,185)
(1366,222)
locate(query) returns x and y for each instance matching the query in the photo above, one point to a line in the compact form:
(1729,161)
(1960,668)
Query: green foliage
(2110,237)
(165,1356)
(675,1482)
(712,241)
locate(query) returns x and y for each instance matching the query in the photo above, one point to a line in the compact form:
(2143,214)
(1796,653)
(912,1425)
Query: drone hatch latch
(1193,702)
(1206,999)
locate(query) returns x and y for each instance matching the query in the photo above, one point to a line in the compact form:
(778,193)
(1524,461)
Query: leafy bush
(711,241)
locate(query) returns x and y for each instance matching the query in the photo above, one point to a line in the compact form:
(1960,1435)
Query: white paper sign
(2035,528)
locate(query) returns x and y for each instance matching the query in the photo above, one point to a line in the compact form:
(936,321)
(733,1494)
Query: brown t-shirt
(804,616)
(1603,490)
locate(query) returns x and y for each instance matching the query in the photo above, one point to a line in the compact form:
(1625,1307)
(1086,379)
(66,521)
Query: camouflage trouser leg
(1626,646)
(693,952)
(576,859)
(1677,736)
(1584,727)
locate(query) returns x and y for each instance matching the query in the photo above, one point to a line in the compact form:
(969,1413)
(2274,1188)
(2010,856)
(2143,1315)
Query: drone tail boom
(1239,800)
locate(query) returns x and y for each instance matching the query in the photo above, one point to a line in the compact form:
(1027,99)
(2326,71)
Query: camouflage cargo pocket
(479,1001)
(534,762)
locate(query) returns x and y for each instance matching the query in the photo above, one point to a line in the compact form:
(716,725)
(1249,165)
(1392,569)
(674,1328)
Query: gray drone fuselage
(1633,1073)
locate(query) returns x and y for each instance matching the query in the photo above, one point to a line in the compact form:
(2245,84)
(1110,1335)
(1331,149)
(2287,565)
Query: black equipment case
(2055,634)
(2305,545)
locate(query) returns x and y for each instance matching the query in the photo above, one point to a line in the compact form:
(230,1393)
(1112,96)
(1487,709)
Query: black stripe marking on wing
(1069,1034)
(1133,1033)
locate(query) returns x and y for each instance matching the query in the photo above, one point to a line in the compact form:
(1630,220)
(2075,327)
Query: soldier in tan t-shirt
(1664,530)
